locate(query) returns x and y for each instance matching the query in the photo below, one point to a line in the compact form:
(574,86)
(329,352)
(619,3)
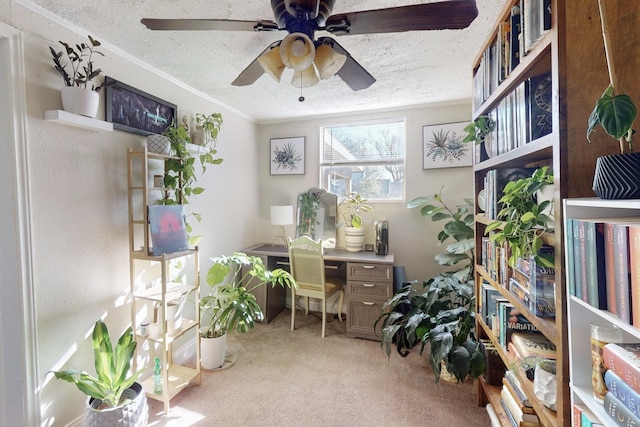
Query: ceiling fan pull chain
(301,99)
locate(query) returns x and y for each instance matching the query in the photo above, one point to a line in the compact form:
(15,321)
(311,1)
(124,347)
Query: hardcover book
(514,382)
(542,283)
(633,252)
(513,321)
(514,408)
(540,105)
(621,390)
(610,261)
(618,413)
(594,256)
(624,361)
(580,262)
(530,345)
(168,229)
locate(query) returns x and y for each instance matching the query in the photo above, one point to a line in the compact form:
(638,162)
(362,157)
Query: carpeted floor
(284,378)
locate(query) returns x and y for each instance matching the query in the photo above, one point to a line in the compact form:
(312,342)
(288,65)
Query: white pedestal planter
(81,101)
(354,239)
(212,352)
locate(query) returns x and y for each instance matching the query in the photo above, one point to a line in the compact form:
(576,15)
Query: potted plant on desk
(354,230)
(230,304)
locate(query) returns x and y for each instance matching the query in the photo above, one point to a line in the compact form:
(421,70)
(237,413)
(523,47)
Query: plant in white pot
(354,230)
(616,176)
(230,304)
(114,396)
(79,93)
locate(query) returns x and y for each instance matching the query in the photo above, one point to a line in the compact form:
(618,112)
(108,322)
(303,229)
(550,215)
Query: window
(365,157)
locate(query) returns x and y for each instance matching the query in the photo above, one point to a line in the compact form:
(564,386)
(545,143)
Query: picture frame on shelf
(442,146)
(287,156)
(168,229)
(135,111)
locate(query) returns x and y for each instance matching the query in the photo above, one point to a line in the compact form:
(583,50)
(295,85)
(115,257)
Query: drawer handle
(368,267)
(369,285)
(283,263)
(368,303)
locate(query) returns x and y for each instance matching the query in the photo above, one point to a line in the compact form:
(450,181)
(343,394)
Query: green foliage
(231,305)
(80,59)
(458,227)
(478,129)
(615,113)
(357,205)
(112,367)
(441,314)
(524,221)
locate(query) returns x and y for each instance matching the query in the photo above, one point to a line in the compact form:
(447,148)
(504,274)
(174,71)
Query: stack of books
(516,404)
(622,378)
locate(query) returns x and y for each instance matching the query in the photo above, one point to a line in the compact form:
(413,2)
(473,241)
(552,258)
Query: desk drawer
(370,272)
(364,290)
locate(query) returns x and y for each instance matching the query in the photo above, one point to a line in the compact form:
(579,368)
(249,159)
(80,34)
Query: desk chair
(307,268)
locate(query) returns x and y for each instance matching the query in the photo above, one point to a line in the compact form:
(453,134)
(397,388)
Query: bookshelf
(571,52)
(580,312)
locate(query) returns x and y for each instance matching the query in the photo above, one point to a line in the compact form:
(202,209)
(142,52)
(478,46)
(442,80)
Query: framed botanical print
(442,146)
(287,156)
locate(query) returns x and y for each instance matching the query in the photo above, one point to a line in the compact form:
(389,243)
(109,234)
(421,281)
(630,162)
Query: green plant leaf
(616,114)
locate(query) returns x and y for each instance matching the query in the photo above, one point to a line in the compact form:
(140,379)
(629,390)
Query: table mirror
(316,216)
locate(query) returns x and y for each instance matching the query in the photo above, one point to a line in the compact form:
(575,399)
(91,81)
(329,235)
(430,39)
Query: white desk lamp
(282,215)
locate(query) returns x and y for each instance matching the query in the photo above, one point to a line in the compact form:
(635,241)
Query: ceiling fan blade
(353,74)
(208,24)
(452,14)
(250,74)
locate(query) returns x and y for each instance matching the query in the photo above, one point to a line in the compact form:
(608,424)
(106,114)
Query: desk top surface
(329,254)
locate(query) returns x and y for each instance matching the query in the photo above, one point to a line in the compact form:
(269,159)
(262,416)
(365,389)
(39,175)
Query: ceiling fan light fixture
(305,78)
(328,61)
(297,51)
(272,64)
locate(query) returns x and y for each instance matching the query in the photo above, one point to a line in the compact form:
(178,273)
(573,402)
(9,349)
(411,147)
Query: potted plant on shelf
(114,396)
(477,132)
(442,312)
(354,230)
(230,304)
(207,128)
(79,93)
(525,218)
(616,176)
(181,173)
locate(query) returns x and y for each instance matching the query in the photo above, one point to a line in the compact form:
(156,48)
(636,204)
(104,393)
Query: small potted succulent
(616,176)
(79,93)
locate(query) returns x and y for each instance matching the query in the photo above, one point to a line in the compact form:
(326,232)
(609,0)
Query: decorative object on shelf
(114,397)
(287,156)
(168,229)
(616,176)
(230,304)
(159,144)
(282,215)
(77,97)
(382,237)
(443,146)
(479,132)
(354,232)
(601,335)
(133,110)
(524,218)
(442,313)
(207,128)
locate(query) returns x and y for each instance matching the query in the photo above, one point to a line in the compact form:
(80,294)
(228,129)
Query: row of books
(493,258)
(494,183)
(622,378)
(529,20)
(603,264)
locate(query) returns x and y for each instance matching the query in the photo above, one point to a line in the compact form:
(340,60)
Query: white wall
(413,238)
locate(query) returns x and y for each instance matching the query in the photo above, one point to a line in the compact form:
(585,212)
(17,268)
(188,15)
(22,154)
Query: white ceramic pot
(212,352)
(174,316)
(545,387)
(81,101)
(159,144)
(354,239)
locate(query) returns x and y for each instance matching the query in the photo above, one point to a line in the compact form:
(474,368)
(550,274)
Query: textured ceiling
(411,68)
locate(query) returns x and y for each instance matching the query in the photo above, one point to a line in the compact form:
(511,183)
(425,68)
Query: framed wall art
(442,146)
(132,110)
(287,156)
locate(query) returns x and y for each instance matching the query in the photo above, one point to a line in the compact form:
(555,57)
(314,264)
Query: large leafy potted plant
(354,230)
(230,304)
(114,396)
(442,312)
(524,218)
(79,93)
(616,176)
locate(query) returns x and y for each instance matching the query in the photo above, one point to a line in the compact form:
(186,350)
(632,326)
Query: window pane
(367,158)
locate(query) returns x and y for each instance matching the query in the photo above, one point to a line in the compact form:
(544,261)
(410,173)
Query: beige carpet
(284,378)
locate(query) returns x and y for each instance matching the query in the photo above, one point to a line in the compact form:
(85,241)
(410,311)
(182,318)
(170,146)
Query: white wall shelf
(70,119)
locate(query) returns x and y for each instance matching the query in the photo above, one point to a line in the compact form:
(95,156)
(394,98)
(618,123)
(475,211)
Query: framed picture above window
(287,156)
(442,146)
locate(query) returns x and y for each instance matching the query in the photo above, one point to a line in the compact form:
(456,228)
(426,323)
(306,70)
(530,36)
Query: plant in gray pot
(114,396)
(616,176)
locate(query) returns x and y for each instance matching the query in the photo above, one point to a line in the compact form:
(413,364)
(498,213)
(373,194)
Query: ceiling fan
(300,51)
